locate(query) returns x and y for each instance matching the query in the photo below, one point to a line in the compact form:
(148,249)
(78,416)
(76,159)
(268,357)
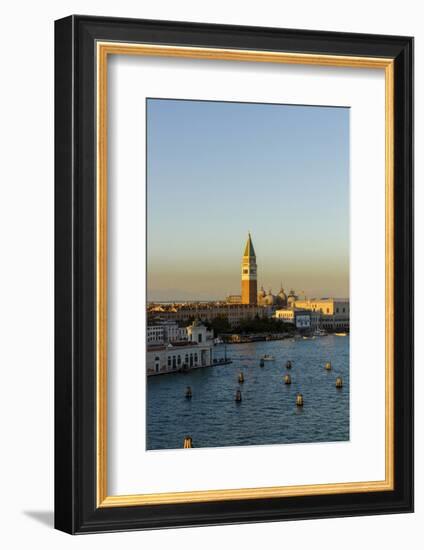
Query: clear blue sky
(217,170)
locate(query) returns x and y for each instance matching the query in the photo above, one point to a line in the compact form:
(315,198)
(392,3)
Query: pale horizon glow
(216,170)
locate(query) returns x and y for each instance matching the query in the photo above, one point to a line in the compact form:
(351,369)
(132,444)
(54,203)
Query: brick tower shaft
(249,284)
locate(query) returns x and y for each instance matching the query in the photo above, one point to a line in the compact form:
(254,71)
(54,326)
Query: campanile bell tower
(249,285)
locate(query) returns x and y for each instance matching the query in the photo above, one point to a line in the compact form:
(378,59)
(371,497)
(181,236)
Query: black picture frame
(76,510)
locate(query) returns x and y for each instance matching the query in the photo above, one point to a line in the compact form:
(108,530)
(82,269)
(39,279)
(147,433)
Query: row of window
(176,360)
(316,308)
(154,339)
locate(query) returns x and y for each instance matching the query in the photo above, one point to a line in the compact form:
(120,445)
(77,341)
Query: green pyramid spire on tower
(249,251)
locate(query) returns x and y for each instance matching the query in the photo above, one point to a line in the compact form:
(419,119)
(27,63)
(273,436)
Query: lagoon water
(268,412)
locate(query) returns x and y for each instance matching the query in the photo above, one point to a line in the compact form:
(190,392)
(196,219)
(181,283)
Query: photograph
(233,269)
(247,298)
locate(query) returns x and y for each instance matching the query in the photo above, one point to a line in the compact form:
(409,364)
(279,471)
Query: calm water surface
(268,412)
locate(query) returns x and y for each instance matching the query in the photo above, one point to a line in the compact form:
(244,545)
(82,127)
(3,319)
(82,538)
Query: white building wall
(165,332)
(286,315)
(155,335)
(175,358)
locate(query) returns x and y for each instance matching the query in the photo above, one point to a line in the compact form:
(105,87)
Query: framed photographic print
(234,274)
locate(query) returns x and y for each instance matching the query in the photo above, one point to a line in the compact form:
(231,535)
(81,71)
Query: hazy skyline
(217,170)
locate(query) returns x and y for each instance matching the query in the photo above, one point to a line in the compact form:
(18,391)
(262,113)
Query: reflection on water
(268,412)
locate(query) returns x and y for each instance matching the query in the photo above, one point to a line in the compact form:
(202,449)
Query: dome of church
(282,296)
(262,293)
(291,298)
(269,299)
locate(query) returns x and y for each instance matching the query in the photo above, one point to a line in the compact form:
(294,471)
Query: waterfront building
(196,352)
(302,319)
(249,287)
(334,313)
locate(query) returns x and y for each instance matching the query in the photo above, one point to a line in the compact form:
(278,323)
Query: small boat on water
(268,357)
(340,334)
(320,332)
(218,341)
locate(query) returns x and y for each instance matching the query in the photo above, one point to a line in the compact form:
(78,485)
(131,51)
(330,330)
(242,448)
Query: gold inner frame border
(103,50)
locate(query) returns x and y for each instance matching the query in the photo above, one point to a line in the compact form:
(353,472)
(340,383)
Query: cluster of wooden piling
(339,379)
(188,442)
(299,397)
